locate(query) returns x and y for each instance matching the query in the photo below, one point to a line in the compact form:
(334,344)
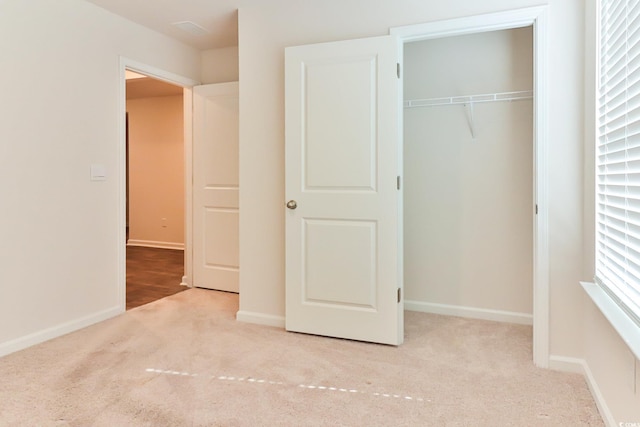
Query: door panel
(342,156)
(339,252)
(215,187)
(344,141)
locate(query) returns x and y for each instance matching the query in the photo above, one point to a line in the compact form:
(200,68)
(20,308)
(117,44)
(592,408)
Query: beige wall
(60,83)
(156,171)
(468,202)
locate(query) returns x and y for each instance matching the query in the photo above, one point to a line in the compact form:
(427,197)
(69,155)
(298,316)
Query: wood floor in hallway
(153,274)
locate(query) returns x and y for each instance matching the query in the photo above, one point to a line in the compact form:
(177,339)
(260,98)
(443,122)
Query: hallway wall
(156,172)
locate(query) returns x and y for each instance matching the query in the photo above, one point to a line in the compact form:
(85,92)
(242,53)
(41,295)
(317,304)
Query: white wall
(468,202)
(495,61)
(220,65)
(610,364)
(263,36)
(156,171)
(59,82)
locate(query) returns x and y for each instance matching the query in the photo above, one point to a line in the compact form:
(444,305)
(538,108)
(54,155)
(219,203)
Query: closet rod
(471,99)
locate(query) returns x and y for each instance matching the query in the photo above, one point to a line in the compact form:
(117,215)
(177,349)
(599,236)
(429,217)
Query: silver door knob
(291,204)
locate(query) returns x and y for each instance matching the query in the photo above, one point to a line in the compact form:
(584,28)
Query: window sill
(628,330)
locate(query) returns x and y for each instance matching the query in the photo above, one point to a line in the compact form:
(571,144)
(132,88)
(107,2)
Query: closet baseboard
(469,312)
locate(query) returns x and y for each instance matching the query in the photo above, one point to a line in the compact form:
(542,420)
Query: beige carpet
(185,361)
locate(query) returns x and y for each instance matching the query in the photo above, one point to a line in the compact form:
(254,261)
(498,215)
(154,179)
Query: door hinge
(399,294)
(398,69)
(536,209)
(398,182)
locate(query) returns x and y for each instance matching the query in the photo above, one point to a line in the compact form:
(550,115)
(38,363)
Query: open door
(343,211)
(215,187)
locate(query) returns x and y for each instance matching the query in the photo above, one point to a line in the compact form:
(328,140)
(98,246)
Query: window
(618,155)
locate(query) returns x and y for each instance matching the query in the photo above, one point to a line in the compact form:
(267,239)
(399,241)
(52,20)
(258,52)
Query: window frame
(622,287)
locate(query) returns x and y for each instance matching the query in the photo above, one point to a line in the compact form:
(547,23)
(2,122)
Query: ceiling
(147,87)
(218,17)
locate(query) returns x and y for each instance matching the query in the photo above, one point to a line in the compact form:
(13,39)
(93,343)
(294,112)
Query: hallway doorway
(154,189)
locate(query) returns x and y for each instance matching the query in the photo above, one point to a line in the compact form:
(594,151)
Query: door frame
(187,84)
(535,17)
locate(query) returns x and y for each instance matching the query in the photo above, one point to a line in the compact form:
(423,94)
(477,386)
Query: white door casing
(175,79)
(215,187)
(343,254)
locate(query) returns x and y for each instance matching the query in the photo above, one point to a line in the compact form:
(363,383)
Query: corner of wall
(260,319)
(580,366)
(220,65)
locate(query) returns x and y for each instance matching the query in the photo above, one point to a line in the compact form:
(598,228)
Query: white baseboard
(260,319)
(567,364)
(56,331)
(571,364)
(154,244)
(469,312)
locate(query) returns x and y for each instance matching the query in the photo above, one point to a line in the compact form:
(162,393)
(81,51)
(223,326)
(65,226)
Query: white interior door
(343,247)
(215,187)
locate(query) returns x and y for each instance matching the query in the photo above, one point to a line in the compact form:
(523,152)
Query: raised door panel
(338,252)
(342,140)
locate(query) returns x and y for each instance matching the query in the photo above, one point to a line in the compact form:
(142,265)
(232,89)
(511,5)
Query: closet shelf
(471,99)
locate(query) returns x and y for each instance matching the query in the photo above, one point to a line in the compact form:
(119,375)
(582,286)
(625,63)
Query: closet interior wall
(468,196)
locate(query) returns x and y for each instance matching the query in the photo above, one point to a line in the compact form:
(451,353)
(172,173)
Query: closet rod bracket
(472,124)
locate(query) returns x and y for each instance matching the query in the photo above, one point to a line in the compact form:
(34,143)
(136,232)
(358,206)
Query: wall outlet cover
(98,172)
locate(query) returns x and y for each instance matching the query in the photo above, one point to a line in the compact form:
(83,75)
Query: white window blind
(618,155)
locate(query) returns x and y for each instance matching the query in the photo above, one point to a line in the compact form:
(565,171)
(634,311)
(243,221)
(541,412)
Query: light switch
(98,173)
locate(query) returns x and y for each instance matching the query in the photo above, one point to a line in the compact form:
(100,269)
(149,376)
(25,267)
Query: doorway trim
(187,84)
(535,17)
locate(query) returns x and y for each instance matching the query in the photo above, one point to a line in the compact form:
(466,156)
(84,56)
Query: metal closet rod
(470,99)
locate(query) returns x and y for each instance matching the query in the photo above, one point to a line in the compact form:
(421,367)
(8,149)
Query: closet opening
(469,175)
